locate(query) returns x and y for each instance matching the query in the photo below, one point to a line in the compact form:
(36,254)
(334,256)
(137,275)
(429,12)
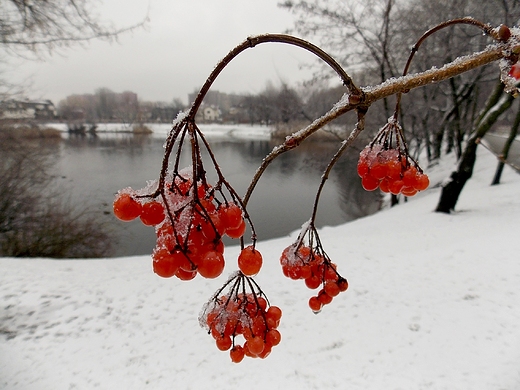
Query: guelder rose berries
(241,321)
(389,167)
(302,262)
(189,225)
(310,263)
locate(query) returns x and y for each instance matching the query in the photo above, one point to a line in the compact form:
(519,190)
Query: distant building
(27,110)
(221,107)
(210,114)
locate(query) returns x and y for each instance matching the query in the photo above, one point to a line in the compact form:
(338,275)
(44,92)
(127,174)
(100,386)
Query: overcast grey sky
(172,57)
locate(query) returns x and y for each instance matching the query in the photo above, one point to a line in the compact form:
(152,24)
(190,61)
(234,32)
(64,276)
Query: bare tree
(29,28)
(36,220)
(35,217)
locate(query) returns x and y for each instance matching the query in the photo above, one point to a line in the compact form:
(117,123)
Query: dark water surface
(95,168)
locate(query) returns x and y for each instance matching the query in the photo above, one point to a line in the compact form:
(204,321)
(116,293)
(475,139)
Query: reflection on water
(95,168)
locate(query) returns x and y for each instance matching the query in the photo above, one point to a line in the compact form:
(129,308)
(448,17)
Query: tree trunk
(452,189)
(505,150)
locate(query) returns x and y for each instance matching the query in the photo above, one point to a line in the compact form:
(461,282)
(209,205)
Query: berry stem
(360,126)
(253,41)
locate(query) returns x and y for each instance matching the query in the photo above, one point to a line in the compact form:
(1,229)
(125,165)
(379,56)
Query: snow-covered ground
(210,130)
(433,303)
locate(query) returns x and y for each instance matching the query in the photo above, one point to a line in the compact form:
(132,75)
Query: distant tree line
(105,105)
(273,105)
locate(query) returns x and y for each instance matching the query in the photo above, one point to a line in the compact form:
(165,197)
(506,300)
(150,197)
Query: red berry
(393,169)
(256,345)
(237,354)
(250,261)
(410,177)
(266,351)
(212,265)
(324,298)
(185,275)
(273,316)
(378,170)
(152,213)
(231,215)
(362,168)
(223,343)
(315,304)
(331,288)
(395,187)
(164,263)
(273,337)
(515,71)
(422,182)
(369,183)
(408,191)
(238,232)
(126,208)
(342,284)
(313,282)
(384,185)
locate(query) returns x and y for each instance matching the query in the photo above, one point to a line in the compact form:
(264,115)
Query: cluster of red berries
(302,262)
(247,315)
(390,170)
(189,226)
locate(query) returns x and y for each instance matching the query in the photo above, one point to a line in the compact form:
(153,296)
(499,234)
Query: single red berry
(273,337)
(237,232)
(384,185)
(315,304)
(185,275)
(164,263)
(126,208)
(393,169)
(408,191)
(362,168)
(152,213)
(231,215)
(250,261)
(378,170)
(273,316)
(256,345)
(223,343)
(422,182)
(266,351)
(212,265)
(369,183)
(237,354)
(410,177)
(331,288)
(342,284)
(395,187)
(313,282)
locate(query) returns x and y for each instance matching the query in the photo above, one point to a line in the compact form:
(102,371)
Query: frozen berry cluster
(242,322)
(386,164)
(189,224)
(316,269)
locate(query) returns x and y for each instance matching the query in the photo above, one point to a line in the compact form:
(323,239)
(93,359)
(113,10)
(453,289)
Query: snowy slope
(433,303)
